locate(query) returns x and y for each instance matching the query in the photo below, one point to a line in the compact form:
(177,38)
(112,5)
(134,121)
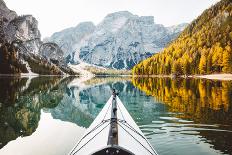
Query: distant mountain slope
(204,47)
(71,39)
(120,41)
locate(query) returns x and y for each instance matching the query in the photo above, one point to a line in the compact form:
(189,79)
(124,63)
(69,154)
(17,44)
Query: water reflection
(82,102)
(21,104)
(206,103)
(178,116)
(56,136)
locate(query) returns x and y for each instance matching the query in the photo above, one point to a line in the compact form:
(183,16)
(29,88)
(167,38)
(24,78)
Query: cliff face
(6,15)
(24,28)
(120,41)
(20,42)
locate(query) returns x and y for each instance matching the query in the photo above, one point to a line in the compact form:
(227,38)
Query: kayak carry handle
(114,93)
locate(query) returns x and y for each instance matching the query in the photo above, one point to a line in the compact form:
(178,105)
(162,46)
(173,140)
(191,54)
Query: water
(48,115)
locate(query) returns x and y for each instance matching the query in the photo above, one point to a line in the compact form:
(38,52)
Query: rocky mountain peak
(24,28)
(6,13)
(21,40)
(119,14)
(2,3)
(120,41)
(85,24)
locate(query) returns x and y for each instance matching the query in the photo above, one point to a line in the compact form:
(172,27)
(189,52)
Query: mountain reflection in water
(184,116)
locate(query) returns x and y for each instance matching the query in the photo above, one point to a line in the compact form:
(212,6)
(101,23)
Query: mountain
(23,28)
(120,41)
(20,46)
(6,16)
(71,39)
(204,47)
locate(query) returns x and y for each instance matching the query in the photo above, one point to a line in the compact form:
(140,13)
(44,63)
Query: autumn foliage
(204,47)
(9,62)
(194,97)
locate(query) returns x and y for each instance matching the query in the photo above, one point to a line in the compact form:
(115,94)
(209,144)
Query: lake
(48,115)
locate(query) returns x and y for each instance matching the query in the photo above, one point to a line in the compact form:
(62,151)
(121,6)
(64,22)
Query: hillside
(204,47)
(120,41)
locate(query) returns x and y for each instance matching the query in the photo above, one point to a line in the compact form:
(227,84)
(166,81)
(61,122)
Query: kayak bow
(113,132)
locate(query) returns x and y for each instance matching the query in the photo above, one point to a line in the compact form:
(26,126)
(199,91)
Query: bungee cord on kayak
(110,133)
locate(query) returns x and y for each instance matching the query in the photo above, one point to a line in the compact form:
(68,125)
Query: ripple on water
(175,129)
(158,122)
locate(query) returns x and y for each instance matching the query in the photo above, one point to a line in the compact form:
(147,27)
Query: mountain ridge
(119,41)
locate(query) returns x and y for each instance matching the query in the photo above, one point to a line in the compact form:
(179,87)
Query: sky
(56,15)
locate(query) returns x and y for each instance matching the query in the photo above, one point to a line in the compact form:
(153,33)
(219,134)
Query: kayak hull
(113,130)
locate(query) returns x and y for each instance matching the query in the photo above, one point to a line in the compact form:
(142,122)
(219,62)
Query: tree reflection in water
(182,112)
(21,103)
(203,101)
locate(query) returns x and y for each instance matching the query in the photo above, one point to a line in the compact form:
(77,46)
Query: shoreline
(221,77)
(39,75)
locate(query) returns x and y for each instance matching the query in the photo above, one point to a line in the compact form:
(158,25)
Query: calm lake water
(48,115)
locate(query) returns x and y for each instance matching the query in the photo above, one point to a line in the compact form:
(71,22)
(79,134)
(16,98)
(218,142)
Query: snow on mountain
(71,39)
(120,41)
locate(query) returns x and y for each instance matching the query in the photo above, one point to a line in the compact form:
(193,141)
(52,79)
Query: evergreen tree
(227,60)
(202,65)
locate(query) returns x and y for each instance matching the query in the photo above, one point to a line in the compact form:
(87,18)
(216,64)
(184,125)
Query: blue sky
(55,15)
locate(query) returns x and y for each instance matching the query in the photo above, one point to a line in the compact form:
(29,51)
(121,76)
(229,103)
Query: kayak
(113,132)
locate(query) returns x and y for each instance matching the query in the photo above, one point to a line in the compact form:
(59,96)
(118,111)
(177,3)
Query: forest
(9,61)
(204,47)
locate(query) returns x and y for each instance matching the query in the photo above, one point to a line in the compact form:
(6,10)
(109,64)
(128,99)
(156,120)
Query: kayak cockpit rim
(112,148)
